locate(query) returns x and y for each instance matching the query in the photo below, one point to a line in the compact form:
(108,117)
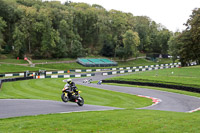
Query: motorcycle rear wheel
(80,101)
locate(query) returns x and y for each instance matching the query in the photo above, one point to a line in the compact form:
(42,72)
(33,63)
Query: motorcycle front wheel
(64,98)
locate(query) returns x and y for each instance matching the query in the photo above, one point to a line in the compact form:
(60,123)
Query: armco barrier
(177,87)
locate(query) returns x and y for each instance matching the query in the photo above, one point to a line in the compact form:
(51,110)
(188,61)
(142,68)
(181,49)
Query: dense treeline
(54,30)
(187,44)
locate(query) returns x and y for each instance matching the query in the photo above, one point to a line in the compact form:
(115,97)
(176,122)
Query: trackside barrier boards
(16,74)
(142,69)
(94,70)
(112,69)
(65,76)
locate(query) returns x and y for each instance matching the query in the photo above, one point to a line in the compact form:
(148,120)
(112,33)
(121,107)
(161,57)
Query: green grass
(128,120)
(62,66)
(142,62)
(66,66)
(9,68)
(117,121)
(186,76)
(50,89)
(137,62)
(158,88)
(52,60)
(21,61)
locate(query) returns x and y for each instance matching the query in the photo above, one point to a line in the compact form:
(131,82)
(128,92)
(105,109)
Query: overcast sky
(170,13)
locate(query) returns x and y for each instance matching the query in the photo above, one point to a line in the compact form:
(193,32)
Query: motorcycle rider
(72,87)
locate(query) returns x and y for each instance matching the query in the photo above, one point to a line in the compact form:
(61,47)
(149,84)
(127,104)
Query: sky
(170,13)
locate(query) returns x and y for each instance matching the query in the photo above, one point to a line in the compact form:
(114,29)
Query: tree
(189,39)
(49,29)
(108,49)
(161,42)
(145,30)
(26,25)
(174,46)
(49,37)
(63,45)
(2,26)
(186,48)
(76,49)
(118,25)
(19,47)
(193,27)
(131,41)
(85,25)
(10,14)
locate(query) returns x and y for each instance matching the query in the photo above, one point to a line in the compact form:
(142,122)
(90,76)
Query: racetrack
(170,101)
(25,107)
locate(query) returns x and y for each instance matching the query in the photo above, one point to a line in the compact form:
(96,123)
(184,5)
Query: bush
(3,57)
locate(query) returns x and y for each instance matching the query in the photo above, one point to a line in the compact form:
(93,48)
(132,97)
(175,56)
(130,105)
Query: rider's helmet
(69,81)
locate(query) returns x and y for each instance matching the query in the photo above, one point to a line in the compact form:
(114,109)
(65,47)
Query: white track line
(198,109)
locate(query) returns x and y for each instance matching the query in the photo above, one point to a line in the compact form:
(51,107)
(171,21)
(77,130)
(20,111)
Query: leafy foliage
(187,44)
(2,25)
(131,41)
(48,29)
(108,49)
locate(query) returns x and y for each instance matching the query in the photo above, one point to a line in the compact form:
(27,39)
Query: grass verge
(158,88)
(5,68)
(9,68)
(186,76)
(123,121)
(142,62)
(127,121)
(50,89)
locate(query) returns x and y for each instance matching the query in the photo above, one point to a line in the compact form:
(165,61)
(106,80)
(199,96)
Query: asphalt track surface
(26,107)
(169,101)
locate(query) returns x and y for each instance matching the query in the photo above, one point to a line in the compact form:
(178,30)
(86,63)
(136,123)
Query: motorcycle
(68,95)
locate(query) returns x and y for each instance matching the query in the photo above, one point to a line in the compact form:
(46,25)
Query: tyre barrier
(14,79)
(176,87)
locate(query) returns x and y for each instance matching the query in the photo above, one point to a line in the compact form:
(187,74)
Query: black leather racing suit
(73,88)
